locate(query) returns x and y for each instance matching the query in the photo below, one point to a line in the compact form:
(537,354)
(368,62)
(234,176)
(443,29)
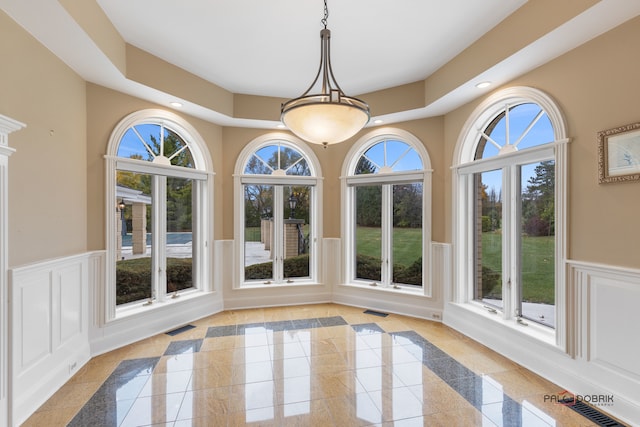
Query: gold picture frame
(619,154)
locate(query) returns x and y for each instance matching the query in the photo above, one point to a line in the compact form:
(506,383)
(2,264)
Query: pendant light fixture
(327,117)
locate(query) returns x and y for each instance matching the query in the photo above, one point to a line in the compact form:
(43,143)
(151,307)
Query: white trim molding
(7,126)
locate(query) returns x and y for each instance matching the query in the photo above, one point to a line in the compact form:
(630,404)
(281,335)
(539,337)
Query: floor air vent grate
(180,330)
(592,414)
(376,313)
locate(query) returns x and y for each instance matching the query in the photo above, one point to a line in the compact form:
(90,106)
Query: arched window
(277,179)
(510,177)
(387,215)
(158,182)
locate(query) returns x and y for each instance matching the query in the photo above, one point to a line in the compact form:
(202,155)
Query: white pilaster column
(7,126)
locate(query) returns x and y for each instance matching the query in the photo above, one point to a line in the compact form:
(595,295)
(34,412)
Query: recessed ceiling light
(280,126)
(377,121)
(482,85)
(175,104)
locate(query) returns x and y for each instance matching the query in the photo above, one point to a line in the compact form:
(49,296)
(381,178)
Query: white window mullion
(387,235)
(159,238)
(277,248)
(507,243)
(197,234)
(514,237)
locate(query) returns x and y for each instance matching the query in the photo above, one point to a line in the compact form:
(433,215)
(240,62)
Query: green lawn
(538,277)
(252,234)
(407,243)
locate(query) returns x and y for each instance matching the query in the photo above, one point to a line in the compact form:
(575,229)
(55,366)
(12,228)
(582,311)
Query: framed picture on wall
(619,154)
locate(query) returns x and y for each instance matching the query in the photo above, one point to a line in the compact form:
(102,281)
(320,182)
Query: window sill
(144,307)
(261,285)
(533,330)
(401,290)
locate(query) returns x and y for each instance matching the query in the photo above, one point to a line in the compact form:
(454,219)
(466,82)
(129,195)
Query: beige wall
(597,88)
(105,109)
(47,174)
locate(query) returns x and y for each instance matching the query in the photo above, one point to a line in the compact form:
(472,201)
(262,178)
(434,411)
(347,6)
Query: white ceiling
(272,48)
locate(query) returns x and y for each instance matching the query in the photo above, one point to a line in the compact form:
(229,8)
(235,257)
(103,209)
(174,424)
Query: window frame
(464,168)
(349,181)
(314,180)
(202,176)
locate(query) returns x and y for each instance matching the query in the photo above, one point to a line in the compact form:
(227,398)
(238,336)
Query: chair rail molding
(7,126)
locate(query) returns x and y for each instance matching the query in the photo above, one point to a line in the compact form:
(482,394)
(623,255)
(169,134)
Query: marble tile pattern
(313,365)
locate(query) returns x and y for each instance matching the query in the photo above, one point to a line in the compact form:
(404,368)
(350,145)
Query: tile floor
(313,365)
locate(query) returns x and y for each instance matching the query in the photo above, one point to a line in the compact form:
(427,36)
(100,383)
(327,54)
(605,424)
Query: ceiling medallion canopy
(330,116)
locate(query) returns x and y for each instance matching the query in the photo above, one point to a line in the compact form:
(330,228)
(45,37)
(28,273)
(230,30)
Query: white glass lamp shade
(324,122)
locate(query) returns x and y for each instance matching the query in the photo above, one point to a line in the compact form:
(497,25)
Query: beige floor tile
(51,418)
(330,362)
(305,414)
(520,382)
(218,343)
(204,359)
(208,403)
(354,410)
(292,367)
(336,384)
(319,347)
(95,370)
(253,396)
(211,377)
(459,418)
(71,395)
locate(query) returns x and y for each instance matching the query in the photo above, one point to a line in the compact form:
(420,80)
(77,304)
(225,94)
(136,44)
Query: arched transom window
(387,218)
(277,190)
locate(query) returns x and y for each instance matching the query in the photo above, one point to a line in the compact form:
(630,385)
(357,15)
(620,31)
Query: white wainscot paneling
(49,329)
(604,307)
(32,320)
(615,319)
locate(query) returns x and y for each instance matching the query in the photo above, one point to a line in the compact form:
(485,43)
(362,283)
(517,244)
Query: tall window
(510,207)
(158,230)
(387,215)
(279,190)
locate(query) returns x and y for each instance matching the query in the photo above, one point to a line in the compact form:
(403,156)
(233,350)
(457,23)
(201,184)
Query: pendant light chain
(326,15)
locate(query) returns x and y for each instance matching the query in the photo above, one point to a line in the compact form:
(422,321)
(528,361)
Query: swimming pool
(172,239)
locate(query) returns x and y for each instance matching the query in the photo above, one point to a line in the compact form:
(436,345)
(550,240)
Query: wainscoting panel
(49,329)
(615,319)
(32,318)
(70,283)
